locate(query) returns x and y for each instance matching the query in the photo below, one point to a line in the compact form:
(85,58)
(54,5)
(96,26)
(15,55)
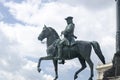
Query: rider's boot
(59,56)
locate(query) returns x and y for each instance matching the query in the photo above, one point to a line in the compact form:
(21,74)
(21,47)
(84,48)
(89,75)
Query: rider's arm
(69,28)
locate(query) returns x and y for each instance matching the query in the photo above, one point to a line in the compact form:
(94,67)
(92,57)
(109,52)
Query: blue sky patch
(17,1)
(7,17)
(47,1)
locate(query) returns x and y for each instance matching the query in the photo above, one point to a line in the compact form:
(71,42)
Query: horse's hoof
(90,79)
(39,69)
(75,77)
(56,78)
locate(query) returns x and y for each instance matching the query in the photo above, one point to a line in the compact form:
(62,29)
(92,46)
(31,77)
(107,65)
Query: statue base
(114,78)
(114,71)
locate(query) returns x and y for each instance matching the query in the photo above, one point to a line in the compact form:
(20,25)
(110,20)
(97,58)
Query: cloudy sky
(21,21)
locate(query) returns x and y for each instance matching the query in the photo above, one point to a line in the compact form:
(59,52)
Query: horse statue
(81,50)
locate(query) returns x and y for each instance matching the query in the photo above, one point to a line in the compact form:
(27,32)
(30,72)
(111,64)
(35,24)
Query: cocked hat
(69,18)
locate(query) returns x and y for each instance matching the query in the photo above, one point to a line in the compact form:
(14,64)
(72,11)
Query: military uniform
(68,35)
(68,39)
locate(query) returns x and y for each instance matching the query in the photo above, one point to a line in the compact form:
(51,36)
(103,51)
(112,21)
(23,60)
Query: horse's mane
(57,36)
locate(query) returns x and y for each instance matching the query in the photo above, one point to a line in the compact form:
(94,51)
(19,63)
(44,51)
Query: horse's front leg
(38,67)
(43,58)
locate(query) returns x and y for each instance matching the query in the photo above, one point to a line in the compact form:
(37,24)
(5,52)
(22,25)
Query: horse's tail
(98,51)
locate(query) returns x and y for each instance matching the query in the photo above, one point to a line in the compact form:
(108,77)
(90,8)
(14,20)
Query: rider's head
(69,19)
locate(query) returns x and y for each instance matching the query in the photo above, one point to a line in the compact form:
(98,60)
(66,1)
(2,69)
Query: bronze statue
(77,49)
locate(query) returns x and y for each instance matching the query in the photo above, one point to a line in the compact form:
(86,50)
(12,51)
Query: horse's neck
(51,39)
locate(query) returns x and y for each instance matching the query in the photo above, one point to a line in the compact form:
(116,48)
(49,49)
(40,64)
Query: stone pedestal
(101,69)
(114,71)
(114,78)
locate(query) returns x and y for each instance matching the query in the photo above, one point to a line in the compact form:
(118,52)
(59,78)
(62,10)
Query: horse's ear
(45,26)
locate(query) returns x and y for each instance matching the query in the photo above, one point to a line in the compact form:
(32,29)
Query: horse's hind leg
(82,61)
(90,63)
(55,62)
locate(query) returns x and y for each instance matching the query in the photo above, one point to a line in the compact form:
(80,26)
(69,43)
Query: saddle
(66,50)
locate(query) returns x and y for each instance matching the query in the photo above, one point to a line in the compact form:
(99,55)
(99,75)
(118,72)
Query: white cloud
(13,64)
(25,73)
(10,76)
(16,44)
(93,5)
(25,11)
(24,39)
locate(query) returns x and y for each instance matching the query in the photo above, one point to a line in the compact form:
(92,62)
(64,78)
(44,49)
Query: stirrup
(62,62)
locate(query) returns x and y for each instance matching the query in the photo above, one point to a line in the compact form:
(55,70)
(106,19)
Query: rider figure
(68,39)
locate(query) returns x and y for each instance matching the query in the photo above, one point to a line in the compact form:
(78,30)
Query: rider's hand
(62,32)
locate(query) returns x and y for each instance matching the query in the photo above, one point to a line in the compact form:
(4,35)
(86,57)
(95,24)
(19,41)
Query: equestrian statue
(67,48)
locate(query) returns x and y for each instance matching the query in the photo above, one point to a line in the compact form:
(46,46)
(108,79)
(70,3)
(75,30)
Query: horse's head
(44,34)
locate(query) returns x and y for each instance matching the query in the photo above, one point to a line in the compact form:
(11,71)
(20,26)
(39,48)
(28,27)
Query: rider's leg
(59,46)
(60,50)
(60,54)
